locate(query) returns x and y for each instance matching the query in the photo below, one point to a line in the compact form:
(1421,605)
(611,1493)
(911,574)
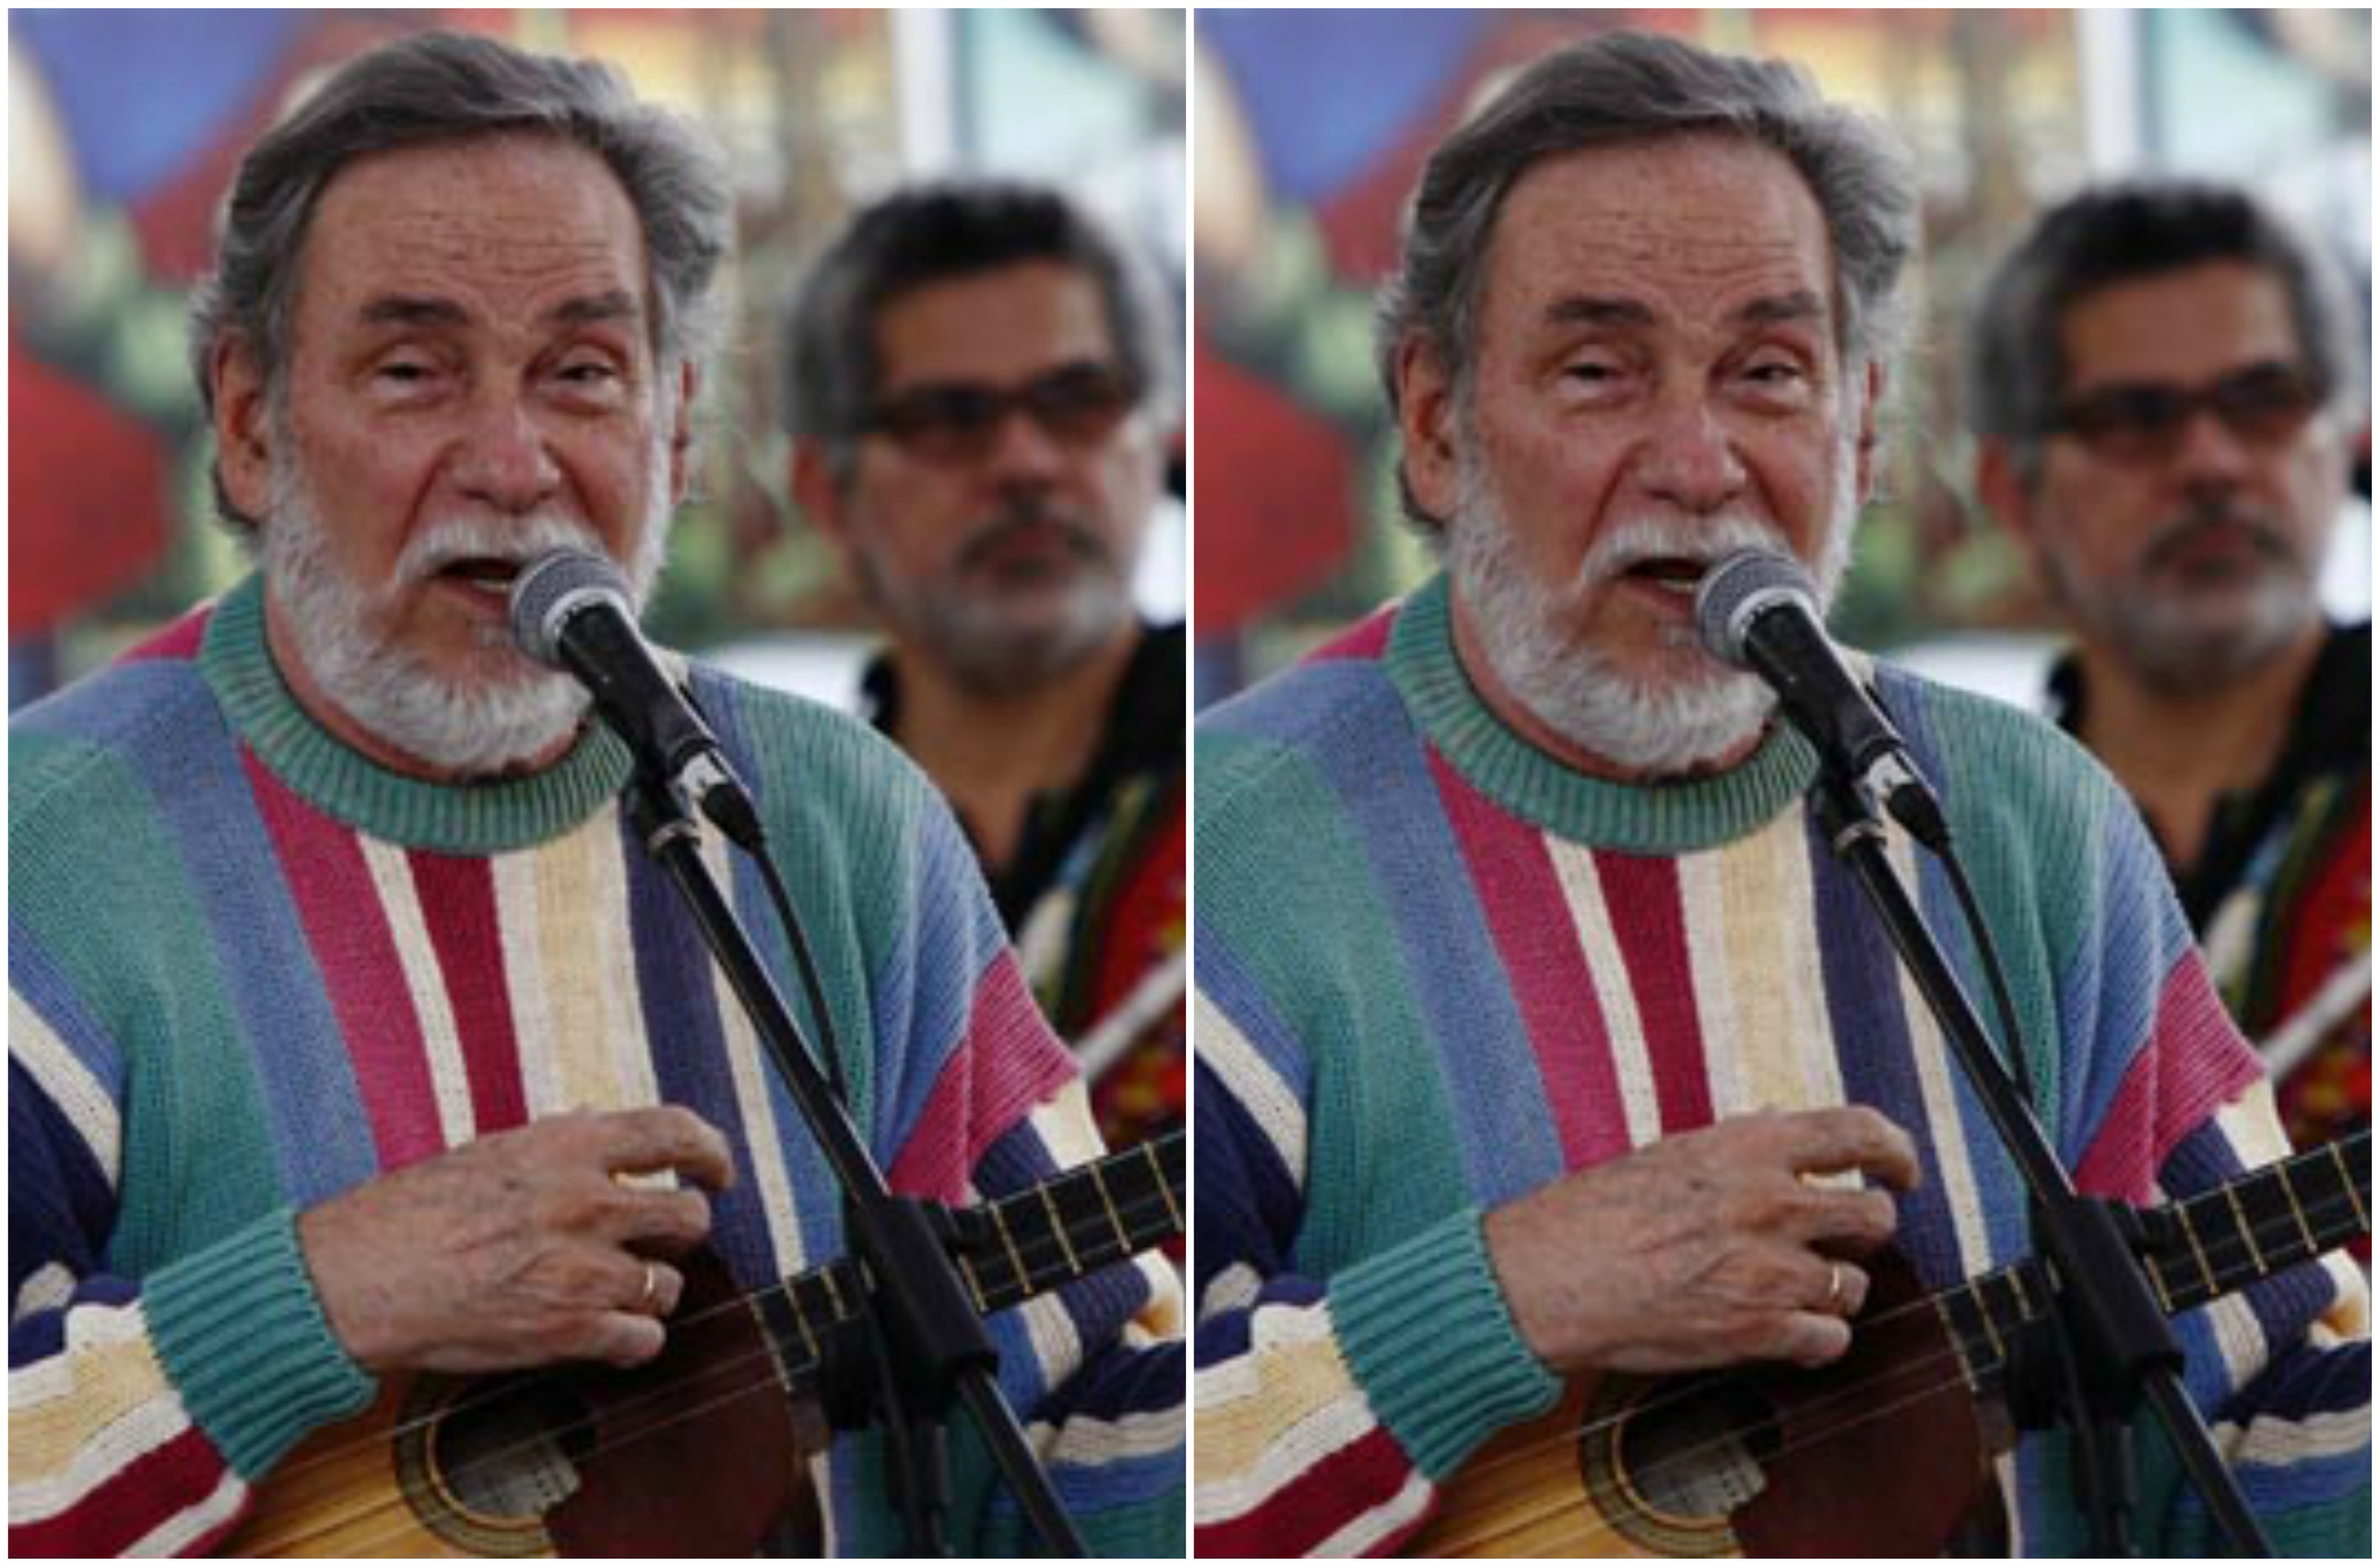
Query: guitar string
(1136,1211)
(1697,1387)
(1036,1256)
(1595,1529)
(2284,1229)
(1872,1394)
(627,1432)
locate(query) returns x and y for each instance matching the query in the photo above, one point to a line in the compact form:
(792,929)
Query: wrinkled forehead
(503,231)
(1687,231)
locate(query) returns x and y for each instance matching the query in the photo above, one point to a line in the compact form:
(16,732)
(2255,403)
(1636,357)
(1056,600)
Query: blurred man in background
(2165,385)
(977,382)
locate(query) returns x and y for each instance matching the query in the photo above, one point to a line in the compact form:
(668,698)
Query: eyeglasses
(959,421)
(2137,422)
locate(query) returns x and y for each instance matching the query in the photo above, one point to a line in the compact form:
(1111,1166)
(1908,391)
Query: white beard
(508,710)
(1697,709)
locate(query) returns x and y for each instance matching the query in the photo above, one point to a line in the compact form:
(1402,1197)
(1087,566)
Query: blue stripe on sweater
(1872,1042)
(34,975)
(689,1048)
(1495,1094)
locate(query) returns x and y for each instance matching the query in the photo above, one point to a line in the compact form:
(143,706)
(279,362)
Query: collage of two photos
(1160,782)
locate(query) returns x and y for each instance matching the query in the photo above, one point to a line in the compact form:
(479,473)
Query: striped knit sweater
(1437,970)
(250,970)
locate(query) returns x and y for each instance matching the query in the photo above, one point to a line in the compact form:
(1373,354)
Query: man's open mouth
(484,573)
(1672,574)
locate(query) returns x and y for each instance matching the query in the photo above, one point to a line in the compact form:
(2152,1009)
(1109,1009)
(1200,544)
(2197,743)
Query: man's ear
(2000,485)
(810,479)
(1425,419)
(1871,399)
(243,426)
(681,458)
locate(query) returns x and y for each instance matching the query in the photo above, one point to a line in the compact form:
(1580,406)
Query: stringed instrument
(1888,1450)
(701,1451)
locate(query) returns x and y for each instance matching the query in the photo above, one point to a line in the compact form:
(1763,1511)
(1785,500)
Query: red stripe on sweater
(1368,639)
(1649,917)
(1528,918)
(179,640)
(2192,1063)
(458,898)
(356,954)
(1365,1474)
(1007,1063)
(131,1504)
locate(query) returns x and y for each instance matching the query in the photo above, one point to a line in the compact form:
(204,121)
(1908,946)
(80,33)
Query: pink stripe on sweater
(1007,1063)
(179,640)
(459,900)
(1528,918)
(1368,639)
(356,954)
(1649,917)
(2192,1063)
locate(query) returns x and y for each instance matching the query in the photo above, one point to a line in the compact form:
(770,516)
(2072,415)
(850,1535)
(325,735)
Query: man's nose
(2210,453)
(1688,459)
(1022,449)
(505,460)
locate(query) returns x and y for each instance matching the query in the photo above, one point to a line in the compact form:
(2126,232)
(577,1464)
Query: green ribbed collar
(473,819)
(1664,819)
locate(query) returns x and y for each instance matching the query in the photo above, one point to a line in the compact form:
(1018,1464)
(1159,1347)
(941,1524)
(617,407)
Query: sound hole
(1699,1456)
(492,1459)
(1667,1462)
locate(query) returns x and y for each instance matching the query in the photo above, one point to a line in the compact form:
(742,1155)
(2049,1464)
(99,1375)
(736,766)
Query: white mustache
(516,541)
(1705,541)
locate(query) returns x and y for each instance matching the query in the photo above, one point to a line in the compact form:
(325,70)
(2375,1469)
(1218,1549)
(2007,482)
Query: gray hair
(931,234)
(1634,87)
(446,87)
(2016,362)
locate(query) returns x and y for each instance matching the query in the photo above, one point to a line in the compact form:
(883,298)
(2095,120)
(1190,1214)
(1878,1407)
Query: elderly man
(343,1002)
(978,380)
(2185,551)
(1539,1033)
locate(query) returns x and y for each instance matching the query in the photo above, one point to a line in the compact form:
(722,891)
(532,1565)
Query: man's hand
(1703,1249)
(520,1248)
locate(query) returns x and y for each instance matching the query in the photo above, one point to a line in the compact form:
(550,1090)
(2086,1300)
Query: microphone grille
(1740,587)
(551,588)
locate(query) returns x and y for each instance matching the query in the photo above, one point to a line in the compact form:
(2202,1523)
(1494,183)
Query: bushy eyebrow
(1606,310)
(435,310)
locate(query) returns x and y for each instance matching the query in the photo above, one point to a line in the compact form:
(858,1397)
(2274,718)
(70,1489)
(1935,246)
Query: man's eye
(1776,372)
(403,372)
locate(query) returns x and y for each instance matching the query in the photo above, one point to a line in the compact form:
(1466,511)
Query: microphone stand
(2109,1325)
(929,1341)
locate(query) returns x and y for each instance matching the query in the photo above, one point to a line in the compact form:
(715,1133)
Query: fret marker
(2154,1266)
(975,1286)
(2349,1176)
(1165,1187)
(2247,1232)
(2289,1189)
(1123,1238)
(1058,1222)
(1016,1262)
(2191,1229)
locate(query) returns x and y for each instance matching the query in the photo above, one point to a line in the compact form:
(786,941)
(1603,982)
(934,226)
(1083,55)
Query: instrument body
(702,1451)
(1888,1452)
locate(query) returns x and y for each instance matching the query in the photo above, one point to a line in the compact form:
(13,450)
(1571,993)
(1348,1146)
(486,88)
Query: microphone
(572,611)
(1757,610)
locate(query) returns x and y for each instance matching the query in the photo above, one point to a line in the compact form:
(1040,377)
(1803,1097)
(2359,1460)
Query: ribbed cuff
(241,1332)
(1426,1330)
